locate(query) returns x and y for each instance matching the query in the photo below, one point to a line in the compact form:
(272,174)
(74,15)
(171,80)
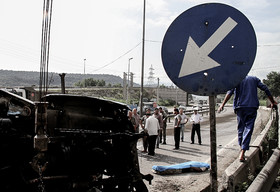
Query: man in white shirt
(152,127)
(195,120)
(177,128)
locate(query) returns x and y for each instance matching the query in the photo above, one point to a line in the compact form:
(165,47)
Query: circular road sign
(209,49)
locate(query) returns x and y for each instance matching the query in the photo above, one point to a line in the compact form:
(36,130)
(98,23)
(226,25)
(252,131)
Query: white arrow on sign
(196,58)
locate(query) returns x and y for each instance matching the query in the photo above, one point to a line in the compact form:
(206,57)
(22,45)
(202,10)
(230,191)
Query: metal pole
(213,171)
(158,91)
(187,99)
(62,77)
(84,66)
(128,71)
(142,70)
(176,96)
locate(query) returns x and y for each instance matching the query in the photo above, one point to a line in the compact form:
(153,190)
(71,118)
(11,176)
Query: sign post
(207,50)
(213,143)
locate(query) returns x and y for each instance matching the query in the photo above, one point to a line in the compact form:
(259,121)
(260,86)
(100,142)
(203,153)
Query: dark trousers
(145,142)
(196,128)
(162,133)
(151,144)
(177,136)
(246,119)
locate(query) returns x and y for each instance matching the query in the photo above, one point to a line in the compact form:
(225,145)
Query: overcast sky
(107,33)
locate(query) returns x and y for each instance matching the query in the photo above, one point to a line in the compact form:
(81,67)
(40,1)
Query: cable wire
(45,45)
(116,58)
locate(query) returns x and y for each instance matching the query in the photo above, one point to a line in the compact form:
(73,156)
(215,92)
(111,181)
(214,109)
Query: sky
(100,37)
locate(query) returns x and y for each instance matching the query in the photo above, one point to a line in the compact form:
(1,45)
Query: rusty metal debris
(84,144)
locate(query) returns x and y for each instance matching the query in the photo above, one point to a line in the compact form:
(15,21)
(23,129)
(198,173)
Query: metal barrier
(265,179)
(202,111)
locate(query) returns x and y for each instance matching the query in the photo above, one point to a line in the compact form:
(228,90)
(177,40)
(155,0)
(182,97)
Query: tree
(101,83)
(117,85)
(162,86)
(273,83)
(91,83)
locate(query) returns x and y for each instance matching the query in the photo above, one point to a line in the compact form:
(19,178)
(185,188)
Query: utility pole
(176,95)
(131,79)
(213,145)
(124,85)
(84,66)
(142,70)
(187,99)
(128,71)
(158,91)
(62,77)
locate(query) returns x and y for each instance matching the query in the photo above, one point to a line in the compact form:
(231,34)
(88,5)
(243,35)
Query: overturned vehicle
(67,143)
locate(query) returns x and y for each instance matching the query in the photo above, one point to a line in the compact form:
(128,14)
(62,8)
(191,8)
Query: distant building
(175,94)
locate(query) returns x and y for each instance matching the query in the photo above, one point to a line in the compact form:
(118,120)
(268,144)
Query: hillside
(28,78)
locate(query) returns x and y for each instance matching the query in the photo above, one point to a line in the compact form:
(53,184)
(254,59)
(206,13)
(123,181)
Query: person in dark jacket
(245,105)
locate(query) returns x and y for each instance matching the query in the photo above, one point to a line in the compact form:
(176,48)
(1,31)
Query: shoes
(144,151)
(176,148)
(242,159)
(157,146)
(192,142)
(164,143)
(182,140)
(199,143)
(152,154)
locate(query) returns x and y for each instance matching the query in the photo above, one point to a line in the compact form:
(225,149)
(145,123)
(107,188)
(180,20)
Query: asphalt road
(227,151)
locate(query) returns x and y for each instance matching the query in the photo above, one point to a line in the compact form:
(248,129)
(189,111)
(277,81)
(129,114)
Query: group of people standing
(245,104)
(180,121)
(154,127)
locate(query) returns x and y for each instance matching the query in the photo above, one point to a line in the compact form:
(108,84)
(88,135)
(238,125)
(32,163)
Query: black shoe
(164,143)
(192,142)
(176,148)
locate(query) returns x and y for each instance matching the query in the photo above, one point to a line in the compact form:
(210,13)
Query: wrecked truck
(67,143)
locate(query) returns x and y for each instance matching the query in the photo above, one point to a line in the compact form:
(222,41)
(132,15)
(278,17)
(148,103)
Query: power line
(117,58)
(21,52)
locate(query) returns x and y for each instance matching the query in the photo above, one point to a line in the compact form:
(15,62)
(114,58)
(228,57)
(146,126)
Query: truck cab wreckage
(67,143)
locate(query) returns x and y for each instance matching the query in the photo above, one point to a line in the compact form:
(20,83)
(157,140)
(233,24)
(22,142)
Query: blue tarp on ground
(181,168)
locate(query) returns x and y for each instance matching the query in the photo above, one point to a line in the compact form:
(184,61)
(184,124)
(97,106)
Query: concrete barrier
(263,182)
(265,179)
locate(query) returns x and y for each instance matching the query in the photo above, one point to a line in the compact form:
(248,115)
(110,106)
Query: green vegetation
(273,83)
(91,83)
(10,78)
(167,102)
(262,102)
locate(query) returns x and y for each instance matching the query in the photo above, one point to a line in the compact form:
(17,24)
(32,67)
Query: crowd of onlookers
(153,126)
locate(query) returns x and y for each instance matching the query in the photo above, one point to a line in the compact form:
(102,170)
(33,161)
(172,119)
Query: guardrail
(265,179)
(202,111)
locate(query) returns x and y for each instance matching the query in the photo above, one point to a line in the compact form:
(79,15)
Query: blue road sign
(209,49)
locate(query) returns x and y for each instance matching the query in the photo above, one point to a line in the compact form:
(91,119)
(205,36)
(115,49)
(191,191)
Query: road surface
(227,152)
